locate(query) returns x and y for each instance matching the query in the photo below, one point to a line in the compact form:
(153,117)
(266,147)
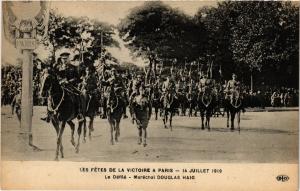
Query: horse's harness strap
(57,107)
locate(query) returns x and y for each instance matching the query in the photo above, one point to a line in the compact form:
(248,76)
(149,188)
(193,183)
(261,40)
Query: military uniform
(115,84)
(233,89)
(205,85)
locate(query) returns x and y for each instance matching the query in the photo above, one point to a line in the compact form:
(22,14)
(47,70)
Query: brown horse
(115,110)
(63,108)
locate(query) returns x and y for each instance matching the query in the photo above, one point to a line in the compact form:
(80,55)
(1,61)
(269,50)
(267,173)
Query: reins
(50,108)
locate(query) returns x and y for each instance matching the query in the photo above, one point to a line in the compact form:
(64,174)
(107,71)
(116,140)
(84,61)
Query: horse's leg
(165,118)
(239,119)
(84,131)
(59,137)
(72,126)
(156,112)
(208,115)
(79,134)
(228,112)
(117,133)
(140,135)
(145,136)
(55,124)
(202,119)
(111,123)
(232,120)
(92,127)
(171,116)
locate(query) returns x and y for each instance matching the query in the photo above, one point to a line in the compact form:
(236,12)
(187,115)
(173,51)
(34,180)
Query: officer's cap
(234,75)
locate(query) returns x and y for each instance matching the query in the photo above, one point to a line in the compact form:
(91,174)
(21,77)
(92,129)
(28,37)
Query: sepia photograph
(151,85)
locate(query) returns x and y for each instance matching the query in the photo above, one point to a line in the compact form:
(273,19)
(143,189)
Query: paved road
(265,137)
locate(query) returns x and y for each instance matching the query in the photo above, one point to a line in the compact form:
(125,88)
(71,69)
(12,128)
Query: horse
(156,102)
(206,104)
(141,107)
(91,109)
(63,108)
(115,110)
(234,107)
(183,101)
(192,102)
(170,103)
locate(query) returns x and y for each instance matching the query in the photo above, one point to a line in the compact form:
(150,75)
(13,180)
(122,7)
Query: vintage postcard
(150,95)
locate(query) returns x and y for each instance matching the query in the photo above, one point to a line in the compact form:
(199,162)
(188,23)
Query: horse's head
(47,83)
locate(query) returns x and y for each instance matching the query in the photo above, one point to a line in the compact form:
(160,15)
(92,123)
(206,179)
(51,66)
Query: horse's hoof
(73,142)
(145,144)
(227,126)
(84,140)
(232,129)
(92,129)
(62,156)
(56,159)
(77,150)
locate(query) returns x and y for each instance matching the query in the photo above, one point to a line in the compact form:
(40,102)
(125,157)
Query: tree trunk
(154,69)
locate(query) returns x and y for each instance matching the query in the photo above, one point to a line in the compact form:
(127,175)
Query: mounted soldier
(233,88)
(133,87)
(115,85)
(89,82)
(69,78)
(206,85)
(168,88)
(133,91)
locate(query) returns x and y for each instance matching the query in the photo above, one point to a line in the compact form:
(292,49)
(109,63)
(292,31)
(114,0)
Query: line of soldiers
(89,81)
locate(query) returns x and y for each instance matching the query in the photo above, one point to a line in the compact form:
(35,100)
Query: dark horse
(206,103)
(63,108)
(233,107)
(115,110)
(156,102)
(170,104)
(91,106)
(192,102)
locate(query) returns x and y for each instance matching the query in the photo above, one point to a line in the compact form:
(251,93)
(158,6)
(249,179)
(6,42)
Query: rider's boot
(46,118)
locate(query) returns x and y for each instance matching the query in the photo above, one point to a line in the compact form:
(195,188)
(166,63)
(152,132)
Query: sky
(107,11)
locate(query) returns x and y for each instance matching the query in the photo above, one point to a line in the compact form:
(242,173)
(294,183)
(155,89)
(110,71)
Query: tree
(259,38)
(156,32)
(88,37)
